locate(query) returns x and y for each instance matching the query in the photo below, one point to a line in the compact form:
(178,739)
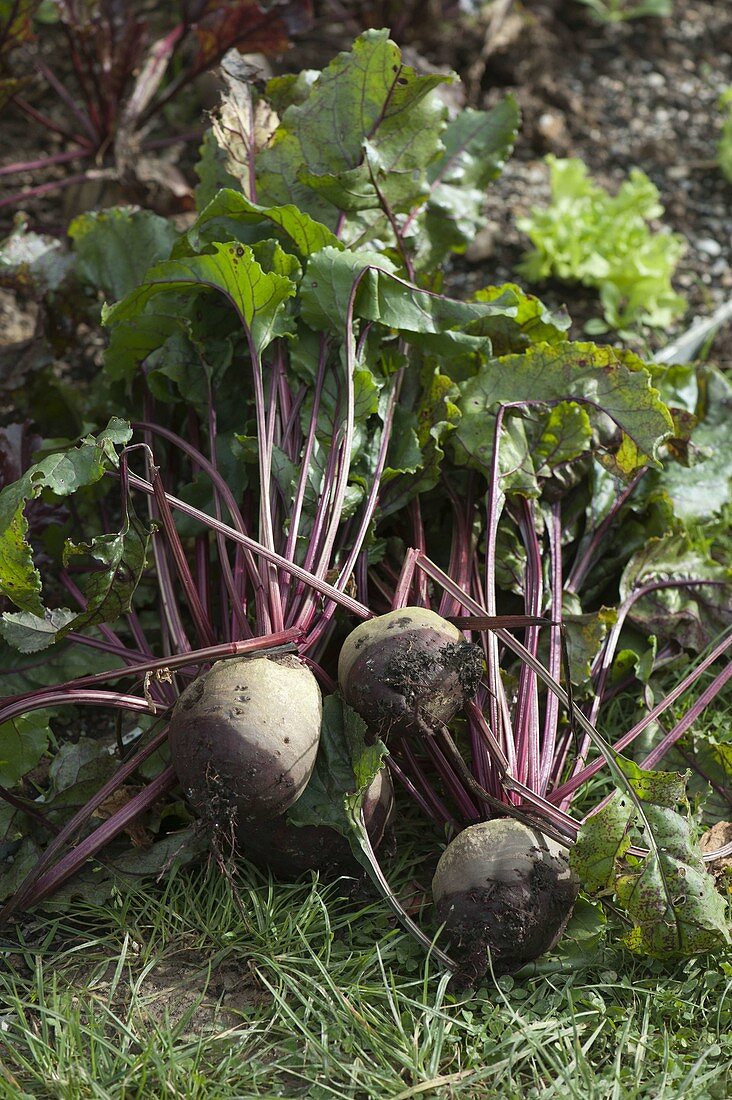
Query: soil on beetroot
(642,93)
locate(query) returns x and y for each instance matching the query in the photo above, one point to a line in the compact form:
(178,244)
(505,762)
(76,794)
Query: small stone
(709,246)
(482,245)
(553,130)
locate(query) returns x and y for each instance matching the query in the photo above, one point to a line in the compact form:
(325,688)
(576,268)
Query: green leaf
(131,342)
(586,632)
(366,106)
(440,323)
(256,295)
(28,633)
(230,209)
(700,490)
(603,380)
(603,839)
(693,614)
(23,741)
(344,768)
(668,895)
(115,247)
(63,474)
(529,322)
(566,433)
(328,283)
(108,591)
(476,146)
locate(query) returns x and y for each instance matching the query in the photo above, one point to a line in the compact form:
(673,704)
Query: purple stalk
(497,703)
(369,508)
(56,185)
(273,608)
(302,482)
(707,696)
(48,123)
(148,81)
(426,808)
(28,807)
(406,576)
(173,633)
(45,162)
(69,100)
(461,558)
(310,579)
(203,626)
(193,659)
(108,830)
(221,491)
(584,560)
(53,697)
(608,653)
(419,540)
(576,781)
(347,445)
(551,713)
(452,781)
(71,828)
(416,773)
(526,726)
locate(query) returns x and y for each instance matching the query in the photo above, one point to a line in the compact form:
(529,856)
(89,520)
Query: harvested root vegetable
(288,850)
(408,671)
(244,737)
(504,892)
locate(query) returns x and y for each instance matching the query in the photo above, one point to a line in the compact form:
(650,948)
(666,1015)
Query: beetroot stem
(576,781)
(291,567)
(198,614)
(24,891)
(526,723)
(192,659)
(108,830)
(554,664)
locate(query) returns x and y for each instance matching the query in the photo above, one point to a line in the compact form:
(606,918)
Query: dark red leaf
(244,24)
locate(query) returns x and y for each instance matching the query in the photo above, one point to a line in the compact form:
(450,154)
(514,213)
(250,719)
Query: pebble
(709,247)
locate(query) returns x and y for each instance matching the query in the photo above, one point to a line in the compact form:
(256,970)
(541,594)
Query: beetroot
(503,891)
(409,671)
(244,737)
(288,850)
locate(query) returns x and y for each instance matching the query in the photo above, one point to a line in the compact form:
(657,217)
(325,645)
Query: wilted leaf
(252,27)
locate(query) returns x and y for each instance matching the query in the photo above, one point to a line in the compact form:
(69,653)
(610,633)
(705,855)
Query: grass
(201,987)
(304,991)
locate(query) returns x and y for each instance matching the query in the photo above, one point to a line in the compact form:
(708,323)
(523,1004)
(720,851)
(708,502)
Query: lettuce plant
(600,240)
(318,435)
(724,147)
